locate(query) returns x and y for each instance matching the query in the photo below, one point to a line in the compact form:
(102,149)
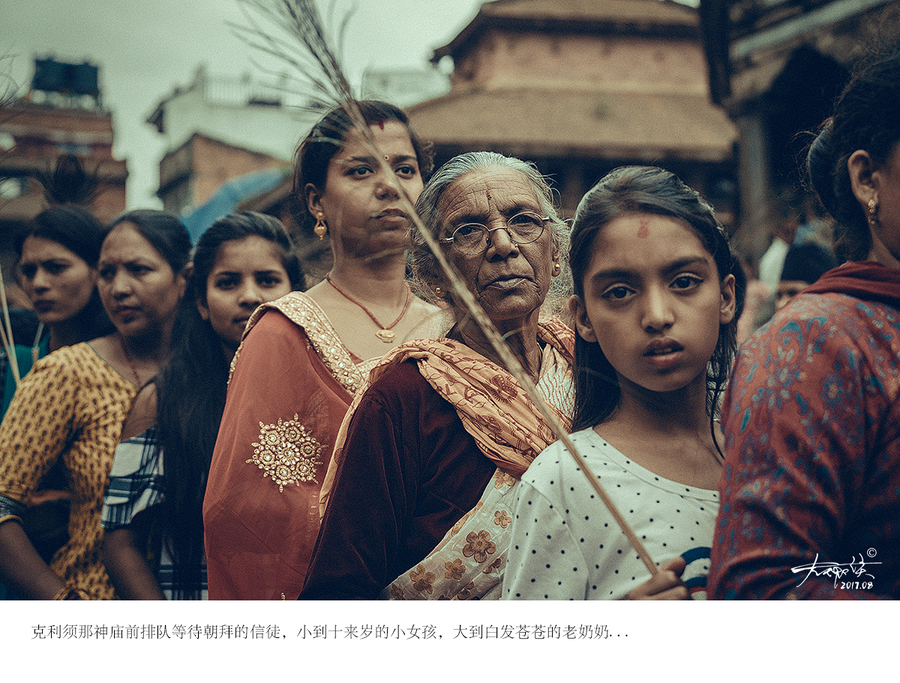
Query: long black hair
(866,117)
(191,395)
(77,230)
(646,190)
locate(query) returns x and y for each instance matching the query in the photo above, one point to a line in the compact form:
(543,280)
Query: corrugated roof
(578,123)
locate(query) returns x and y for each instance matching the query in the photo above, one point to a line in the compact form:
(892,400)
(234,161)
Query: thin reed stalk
(299,20)
(7,334)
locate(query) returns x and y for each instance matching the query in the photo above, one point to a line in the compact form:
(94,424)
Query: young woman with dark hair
(655,308)
(812,411)
(56,267)
(306,355)
(70,408)
(153,546)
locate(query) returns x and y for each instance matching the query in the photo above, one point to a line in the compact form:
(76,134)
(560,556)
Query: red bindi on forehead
(644,229)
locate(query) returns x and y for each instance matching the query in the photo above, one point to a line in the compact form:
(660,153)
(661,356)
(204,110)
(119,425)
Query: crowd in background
(660,420)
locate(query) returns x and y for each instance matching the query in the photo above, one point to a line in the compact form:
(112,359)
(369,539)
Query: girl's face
(247,273)
(360,202)
(654,302)
(57,281)
(137,286)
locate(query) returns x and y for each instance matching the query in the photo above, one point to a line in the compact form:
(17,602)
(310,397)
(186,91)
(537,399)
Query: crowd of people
(192,422)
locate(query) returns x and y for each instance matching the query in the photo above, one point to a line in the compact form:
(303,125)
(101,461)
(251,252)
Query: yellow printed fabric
(71,406)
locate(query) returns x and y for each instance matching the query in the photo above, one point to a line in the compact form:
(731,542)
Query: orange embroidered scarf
(494,408)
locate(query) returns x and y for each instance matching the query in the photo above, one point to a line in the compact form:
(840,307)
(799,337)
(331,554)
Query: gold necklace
(384,332)
(130,360)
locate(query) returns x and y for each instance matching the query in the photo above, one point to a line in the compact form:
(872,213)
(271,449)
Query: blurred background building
(61,114)
(776,66)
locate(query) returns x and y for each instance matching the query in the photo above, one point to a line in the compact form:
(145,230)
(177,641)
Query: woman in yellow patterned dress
(304,356)
(70,408)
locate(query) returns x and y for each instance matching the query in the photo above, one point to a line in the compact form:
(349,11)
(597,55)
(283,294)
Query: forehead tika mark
(643,231)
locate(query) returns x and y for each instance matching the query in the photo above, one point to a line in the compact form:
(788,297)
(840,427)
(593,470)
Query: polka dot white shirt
(566,545)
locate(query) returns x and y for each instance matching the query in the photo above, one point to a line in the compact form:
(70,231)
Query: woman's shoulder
(401,381)
(824,324)
(143,413)
(294,317)
(556,459)
(78,359)
(296,308)
(84,364)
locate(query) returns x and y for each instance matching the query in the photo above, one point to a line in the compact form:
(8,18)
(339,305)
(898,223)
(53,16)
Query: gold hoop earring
(556,269)
(873,212)
(439,293)
(320,228)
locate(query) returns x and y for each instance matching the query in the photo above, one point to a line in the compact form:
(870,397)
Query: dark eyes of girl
(686,281)
(226,283)
(682,282)
(616,293)
(404,170)
(269,280)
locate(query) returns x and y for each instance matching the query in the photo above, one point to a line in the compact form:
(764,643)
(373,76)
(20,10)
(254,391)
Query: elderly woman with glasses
(416,502)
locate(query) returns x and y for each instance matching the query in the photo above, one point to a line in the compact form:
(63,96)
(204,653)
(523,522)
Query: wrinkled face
(57,281)
(787,290)
(247,273)
(361,202)
(510,281)
(654,302)
(137,286)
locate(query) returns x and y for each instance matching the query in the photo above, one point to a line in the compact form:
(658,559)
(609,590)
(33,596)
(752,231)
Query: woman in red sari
(811,487)
(305,355)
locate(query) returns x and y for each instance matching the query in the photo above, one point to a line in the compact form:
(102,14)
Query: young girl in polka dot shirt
(655,309)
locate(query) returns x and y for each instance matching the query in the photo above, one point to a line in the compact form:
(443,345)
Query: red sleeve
(281,417)
(808,474)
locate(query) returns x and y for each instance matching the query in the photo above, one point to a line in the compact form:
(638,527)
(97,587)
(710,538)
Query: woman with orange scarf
(444,429)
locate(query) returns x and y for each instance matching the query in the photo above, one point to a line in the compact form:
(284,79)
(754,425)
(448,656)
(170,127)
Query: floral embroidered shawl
(508,429)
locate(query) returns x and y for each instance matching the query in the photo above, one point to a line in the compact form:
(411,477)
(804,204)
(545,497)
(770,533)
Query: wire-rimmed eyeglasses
(472,239)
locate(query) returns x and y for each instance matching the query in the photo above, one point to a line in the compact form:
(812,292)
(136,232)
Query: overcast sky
(146,49)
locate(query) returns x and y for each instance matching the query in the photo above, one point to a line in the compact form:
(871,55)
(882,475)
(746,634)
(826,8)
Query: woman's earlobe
(728,306)
(313,198)
(861,170)
(582,321)
(202,310)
